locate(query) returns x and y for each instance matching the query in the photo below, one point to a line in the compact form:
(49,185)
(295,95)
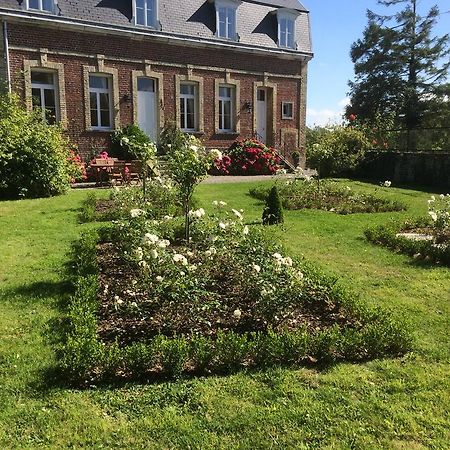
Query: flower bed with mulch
(328,196)
(149,305)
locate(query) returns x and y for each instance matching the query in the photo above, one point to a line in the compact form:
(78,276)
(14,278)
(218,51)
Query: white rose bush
(424,238)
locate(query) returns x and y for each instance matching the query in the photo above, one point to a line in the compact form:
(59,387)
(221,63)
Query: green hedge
(386,235)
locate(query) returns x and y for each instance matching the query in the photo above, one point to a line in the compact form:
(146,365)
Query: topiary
(273,211)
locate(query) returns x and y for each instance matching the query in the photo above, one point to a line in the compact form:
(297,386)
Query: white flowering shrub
(188,163)
(439,211)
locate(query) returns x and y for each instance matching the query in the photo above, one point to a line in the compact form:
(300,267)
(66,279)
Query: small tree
(273,211)
(142,149)
(188,164)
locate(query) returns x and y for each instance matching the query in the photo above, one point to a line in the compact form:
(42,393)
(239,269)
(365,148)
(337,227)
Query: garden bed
(147,305)
(328,196)
(415,237)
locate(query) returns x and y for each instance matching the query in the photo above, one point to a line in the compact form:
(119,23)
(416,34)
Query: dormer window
(41,5)
(146,13)
(226,18)
(286,29)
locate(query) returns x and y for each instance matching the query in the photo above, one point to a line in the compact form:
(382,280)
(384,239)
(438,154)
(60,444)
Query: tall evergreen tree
(399,66)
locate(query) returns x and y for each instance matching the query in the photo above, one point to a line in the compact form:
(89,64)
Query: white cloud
(326,116)
(344,102)
(322,117)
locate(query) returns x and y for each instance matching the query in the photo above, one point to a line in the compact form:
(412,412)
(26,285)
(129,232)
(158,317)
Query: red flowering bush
(248,157)
(77,166)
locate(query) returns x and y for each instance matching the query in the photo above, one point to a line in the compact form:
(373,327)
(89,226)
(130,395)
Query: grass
(382,404)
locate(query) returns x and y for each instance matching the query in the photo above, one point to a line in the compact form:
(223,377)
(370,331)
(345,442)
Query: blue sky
(335,26)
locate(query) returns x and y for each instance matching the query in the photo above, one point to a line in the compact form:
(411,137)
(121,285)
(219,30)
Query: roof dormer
(287,27)
(41,5)
(226,18)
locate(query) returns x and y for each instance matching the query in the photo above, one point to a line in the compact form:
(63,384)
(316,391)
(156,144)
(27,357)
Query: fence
(416,168)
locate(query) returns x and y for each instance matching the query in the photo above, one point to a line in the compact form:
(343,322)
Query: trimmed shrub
(35,158)
(273,211)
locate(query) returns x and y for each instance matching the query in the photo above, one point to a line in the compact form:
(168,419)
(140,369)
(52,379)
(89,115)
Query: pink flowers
(248,157)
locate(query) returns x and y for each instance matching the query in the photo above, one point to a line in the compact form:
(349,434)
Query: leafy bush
(248,157)
(337,151)
(273,211)
(328,196)
(35,158)
(124,141)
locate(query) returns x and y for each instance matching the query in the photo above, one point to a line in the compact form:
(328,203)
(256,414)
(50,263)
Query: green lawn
(383,404)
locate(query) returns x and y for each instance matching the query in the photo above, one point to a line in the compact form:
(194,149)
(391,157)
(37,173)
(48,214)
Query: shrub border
(386,236)
(84,358)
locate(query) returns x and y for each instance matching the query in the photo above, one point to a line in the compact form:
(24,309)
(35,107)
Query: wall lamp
(248,107)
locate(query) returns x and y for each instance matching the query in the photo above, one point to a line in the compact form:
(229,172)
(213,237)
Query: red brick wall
(122,47)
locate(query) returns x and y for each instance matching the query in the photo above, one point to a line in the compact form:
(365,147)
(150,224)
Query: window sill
(100,130)
(227,133)
(287,118)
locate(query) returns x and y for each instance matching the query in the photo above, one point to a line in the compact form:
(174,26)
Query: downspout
(6,46)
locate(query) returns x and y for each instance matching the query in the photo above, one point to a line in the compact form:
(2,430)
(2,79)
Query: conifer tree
(399,66)
(273,211)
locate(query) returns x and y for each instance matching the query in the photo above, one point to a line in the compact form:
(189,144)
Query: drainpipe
(6,46)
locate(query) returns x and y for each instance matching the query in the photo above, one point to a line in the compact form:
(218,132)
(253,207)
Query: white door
(147,107)
(261,114)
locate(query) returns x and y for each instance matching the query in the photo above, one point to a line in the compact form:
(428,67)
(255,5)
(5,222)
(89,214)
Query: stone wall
(420,168)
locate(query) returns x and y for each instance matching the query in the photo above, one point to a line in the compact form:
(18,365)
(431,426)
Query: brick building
(221,69)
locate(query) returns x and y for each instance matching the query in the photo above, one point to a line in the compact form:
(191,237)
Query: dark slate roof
(256,25)
(290,4)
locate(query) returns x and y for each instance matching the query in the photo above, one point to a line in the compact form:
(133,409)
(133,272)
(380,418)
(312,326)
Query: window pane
(104,101)
(231,23)
(42,77)
(49,99)
(140,16)
(183,113)
(33,4)
(146,84)
(225,92)
(187,89)
(261,95)
(94,120)
(140,4)
(287,110)
(36,98)
(98,82)
(47,5)
(150,18)
(105,118)
(190,104)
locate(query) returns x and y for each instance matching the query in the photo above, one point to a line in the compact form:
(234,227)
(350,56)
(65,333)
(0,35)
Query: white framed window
(146,12)
(41,5)
(100,96)
(286,29)
(287,110)
(226,18)
(45,95)
(188,106)
(227,95)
